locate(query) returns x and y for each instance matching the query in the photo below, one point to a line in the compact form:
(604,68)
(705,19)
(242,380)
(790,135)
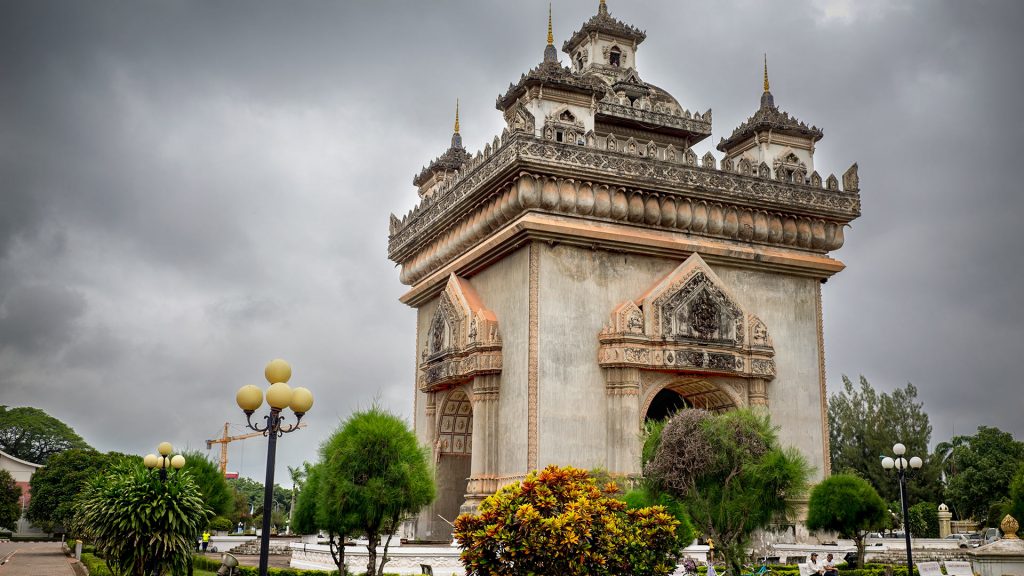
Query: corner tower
(586,270)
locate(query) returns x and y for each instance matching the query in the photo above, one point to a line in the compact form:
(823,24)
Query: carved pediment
(463,339)
(688,321)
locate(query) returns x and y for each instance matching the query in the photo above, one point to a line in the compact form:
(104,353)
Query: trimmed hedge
(95,565)
(211,562)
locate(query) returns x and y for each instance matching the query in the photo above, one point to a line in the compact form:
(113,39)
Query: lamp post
(162,463)
(164,460)
(901,465)
(279,396)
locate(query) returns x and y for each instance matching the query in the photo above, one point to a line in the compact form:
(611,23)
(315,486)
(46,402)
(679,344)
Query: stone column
(945,521)
(622,386)
(430,415)
(483,480)
(757,394)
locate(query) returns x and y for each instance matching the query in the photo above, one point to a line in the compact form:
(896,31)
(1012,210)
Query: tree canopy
(864,425)
(559,521)
(849,505)
(979,469)
(10,500)
(1017,495)
(729,471)
(55,486)
(206,473)
(33,435)
(140,524)
(372,475)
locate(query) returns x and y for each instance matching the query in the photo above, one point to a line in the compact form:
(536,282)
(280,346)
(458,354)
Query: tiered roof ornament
(550,73)
(769,118)
(604,23)
(452,160)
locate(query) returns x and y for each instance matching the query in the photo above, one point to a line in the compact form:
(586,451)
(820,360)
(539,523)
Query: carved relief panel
(463,340)
(688,323)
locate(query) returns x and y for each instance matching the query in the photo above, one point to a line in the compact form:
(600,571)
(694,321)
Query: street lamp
(279,396)
(164,460)
(901,465)
(162,463)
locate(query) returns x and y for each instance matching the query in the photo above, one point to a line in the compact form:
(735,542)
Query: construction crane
(225,439)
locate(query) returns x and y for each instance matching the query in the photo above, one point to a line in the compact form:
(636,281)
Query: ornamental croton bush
(559,521)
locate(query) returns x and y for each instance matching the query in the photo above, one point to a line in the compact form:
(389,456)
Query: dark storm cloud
(190,189)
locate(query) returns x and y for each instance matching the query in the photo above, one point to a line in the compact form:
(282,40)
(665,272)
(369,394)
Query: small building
(22,472)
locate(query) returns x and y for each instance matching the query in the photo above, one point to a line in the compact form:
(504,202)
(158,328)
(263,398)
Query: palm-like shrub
(139,524)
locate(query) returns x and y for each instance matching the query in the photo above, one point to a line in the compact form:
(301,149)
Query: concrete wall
(505,289)
(787,305)
(579,287)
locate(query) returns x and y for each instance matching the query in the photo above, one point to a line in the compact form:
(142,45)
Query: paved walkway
(34,559)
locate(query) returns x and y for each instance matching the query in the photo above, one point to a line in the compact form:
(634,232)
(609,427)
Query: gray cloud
(191,189)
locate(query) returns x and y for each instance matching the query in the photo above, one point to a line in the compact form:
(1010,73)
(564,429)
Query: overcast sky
(190,189)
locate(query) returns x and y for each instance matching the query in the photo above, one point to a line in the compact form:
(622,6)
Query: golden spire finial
(551,36)
(456,115)
(766,72)
(602,8)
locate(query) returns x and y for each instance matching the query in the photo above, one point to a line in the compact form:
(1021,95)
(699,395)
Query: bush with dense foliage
(139,523)
(372,475)
(728,471)
(559,521)
(56,486)
(10,500)
(979,470)
(846,504)
(923,520)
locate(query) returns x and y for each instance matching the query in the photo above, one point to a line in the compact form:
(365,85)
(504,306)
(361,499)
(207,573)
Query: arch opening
(664,404)
(454,449)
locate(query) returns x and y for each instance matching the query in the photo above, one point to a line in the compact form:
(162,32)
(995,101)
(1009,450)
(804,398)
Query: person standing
(206,539)
(813,566)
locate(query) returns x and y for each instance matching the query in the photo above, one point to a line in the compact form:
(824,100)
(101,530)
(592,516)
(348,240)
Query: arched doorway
(664,404)
(454,453)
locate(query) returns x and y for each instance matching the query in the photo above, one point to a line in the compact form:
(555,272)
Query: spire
(602,8)
(456,137)
(550,54)
(767,100)
(766,89)
(551,36)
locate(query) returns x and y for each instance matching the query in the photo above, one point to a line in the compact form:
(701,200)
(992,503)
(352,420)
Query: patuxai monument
(586,271)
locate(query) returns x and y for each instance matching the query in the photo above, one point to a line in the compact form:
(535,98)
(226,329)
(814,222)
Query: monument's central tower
(586,271)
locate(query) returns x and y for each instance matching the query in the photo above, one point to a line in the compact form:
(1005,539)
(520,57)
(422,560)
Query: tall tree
(863,426)
(207,476)
(730,473)
(55,486)
(1017,494)
(981,468)
(323,505)
(374,468)
(10,501)
(33,435)
(140,524)
(849,505)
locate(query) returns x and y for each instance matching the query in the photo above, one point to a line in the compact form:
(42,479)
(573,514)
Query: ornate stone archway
(687,333)
(460,368)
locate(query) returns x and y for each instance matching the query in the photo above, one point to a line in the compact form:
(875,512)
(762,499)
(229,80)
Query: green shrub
(95,565)
(220,524)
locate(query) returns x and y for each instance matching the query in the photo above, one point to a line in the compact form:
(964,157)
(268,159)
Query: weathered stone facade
(586,267)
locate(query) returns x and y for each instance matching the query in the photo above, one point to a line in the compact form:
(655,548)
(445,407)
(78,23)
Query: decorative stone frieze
(462,342)
(688,322)
(482,198)
(539,193)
